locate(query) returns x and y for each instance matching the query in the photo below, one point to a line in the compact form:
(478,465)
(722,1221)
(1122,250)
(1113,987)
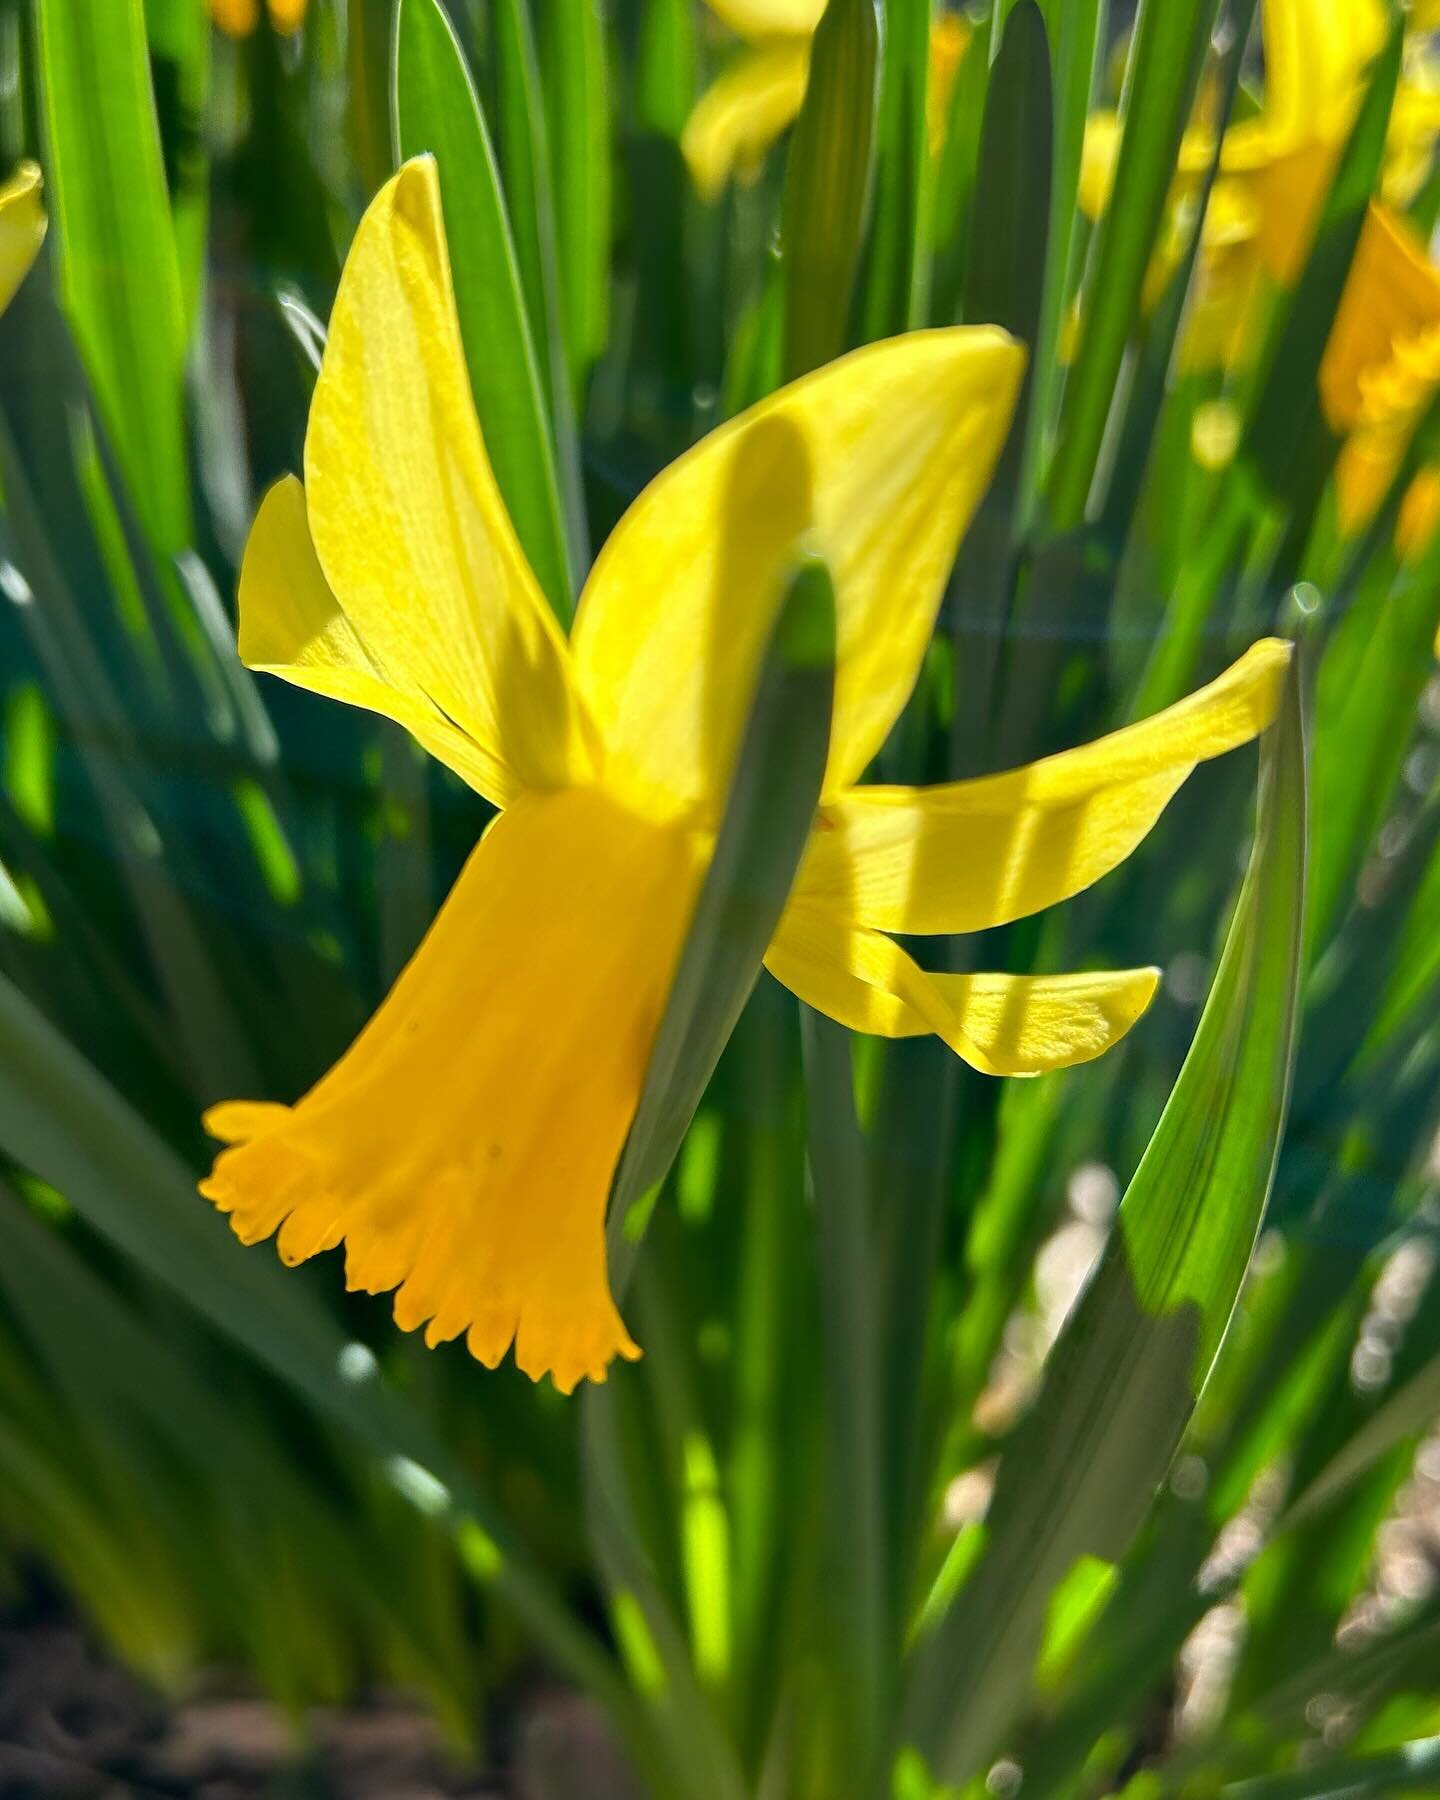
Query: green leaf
(119,276)
(524,150)
(767,822)
(437,110)
(1160,80)
(854,1493)
(1410,1768)
(1366,705)
(1076,32)
(1081,1470)
(60,1120)
(827,184)
(897,269)
(575,80)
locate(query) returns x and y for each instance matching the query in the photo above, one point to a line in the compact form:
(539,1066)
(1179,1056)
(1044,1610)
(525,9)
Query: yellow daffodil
(1419,519)
(744,111)
(22,228)
(1275,169)
(463,1148)
(1382,361)
(238,18)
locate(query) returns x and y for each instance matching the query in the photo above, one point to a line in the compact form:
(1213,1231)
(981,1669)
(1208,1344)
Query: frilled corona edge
(464,1147)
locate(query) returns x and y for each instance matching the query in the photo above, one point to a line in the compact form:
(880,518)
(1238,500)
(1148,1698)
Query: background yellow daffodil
(22,228)
(747,107)
(463,1148)
(238,18)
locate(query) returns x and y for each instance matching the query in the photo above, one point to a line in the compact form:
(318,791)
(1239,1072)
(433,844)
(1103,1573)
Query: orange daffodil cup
(464,1147)
(22,228)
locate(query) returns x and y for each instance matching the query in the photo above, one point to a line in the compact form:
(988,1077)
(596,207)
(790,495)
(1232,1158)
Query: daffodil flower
(745,110)
(463,1148)
(1381,366)
(22,228)
(239,18)
(1275,169)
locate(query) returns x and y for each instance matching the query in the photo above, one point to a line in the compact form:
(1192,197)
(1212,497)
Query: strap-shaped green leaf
(119,273)
(1160,81)
(60,1119)
(437,109)
(827,184)
(767,820)
(1121,1382)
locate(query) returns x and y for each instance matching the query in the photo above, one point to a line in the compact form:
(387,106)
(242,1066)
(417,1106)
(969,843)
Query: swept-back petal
(740,115)
(999,1024)
(877,461)
(769,18)
(407,521)
(291,625)
(22,228)
(463,1148)
(971,854)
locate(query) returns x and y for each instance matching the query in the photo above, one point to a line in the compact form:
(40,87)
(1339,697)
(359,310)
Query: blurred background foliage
(760,1551)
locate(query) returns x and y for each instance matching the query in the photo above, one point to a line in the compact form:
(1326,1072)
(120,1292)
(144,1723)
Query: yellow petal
(406,518)
(291,625)
(878,461)
(999,1024)
(287,16)
(22,228)
(1369,461)
(1316,56)
(1391,303)
(971,854)
(770,18)
(236,18)
(1099,154)
(1419,516)
(950,37)
(740,115)
(463,1148)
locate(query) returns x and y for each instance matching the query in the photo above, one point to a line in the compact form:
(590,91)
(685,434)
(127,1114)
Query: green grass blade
(523,145)
(1411,1768)
(827,184)
(897,270)
(60,1119)
(576,83)
(854,1497)
(1169,41)
(1122,1380)
(1076,30)
(119,275)
(437,109)
(768,816)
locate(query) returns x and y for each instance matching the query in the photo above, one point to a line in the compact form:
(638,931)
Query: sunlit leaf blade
(106,189)
(1121,1382)
(437,110)
(897,275)
(856,1467)
(767,821)
(827,184)
(1379,662)
(575,79)
(1075,29)
(1160,80)
(1410,1768)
